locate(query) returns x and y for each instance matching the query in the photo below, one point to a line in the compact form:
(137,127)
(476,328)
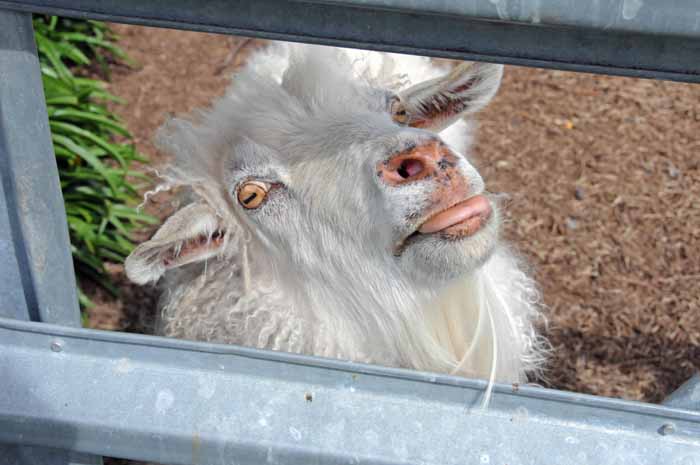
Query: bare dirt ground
(603,175)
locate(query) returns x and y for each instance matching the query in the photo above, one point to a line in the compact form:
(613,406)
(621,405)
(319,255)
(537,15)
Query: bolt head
(667,429)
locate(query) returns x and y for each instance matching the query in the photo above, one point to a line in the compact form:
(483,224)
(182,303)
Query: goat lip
(461,219)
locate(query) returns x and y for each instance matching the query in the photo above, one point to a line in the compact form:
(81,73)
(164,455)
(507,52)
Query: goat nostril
(410,168)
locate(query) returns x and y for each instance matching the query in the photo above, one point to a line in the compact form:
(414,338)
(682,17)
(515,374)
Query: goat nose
(409,165)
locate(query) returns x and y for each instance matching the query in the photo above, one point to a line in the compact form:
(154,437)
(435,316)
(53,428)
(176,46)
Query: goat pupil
(403,172)
(250,198)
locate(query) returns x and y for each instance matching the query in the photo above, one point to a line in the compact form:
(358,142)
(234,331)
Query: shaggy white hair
(311,273)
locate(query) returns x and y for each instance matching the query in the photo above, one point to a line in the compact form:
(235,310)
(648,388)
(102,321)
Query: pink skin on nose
(435,161)
(412,167)
(471,213)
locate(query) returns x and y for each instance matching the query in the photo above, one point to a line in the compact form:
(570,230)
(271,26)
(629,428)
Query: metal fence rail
(650,38)
(181,402)
(36,272)
(69,395)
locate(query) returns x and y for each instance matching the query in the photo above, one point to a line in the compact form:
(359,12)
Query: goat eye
(251,194)
(397,109)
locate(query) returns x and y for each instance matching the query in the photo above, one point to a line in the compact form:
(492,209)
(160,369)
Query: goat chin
(486,322)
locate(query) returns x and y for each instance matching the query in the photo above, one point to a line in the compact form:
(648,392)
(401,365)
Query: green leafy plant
(93,149)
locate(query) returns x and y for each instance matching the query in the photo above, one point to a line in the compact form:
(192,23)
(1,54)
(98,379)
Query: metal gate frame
(70,395)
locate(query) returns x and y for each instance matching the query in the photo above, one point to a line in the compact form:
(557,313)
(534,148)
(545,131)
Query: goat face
(333,174)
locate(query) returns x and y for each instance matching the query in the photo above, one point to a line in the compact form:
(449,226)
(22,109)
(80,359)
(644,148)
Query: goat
(333,212)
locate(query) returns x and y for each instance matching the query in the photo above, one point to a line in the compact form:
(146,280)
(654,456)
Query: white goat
(328,217)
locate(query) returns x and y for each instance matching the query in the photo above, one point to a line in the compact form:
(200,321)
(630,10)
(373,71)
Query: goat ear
(437,103)
(190,235)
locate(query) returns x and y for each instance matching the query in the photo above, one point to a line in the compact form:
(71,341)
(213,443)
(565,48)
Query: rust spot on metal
(196,448)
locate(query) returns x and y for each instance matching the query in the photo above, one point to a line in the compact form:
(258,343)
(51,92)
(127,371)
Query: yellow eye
(251,194)
(398,111)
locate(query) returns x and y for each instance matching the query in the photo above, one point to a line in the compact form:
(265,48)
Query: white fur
(311,272)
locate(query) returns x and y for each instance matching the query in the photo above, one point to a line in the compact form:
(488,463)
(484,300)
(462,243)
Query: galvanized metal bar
(23,455)
(654,38)
(656,17)
(11,288)
(36,270)
(687,396)
(180,402)
(34,236)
